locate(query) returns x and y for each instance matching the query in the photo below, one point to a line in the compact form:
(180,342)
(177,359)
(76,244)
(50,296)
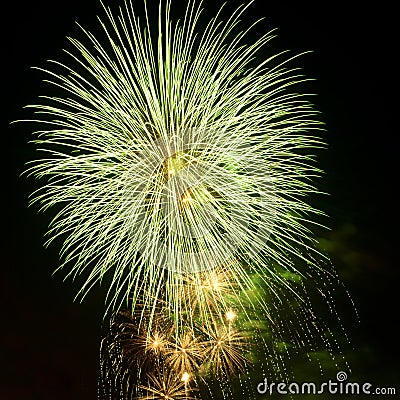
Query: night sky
(49,344)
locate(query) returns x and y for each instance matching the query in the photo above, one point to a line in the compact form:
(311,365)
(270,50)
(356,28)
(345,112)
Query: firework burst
(165,385)
(207,294)
(225,351)
(174,159)
(185,354)
(179,167)
(163,362)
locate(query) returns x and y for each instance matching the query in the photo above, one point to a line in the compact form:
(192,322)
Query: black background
(49,344)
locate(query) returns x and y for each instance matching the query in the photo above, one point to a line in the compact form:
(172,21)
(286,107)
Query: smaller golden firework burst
(138,346)
(206,293)
(166,384)
(185,354)
(171,360)
(225,350)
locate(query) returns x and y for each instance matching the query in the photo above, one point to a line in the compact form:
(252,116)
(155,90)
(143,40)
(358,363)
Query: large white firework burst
(173,153)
